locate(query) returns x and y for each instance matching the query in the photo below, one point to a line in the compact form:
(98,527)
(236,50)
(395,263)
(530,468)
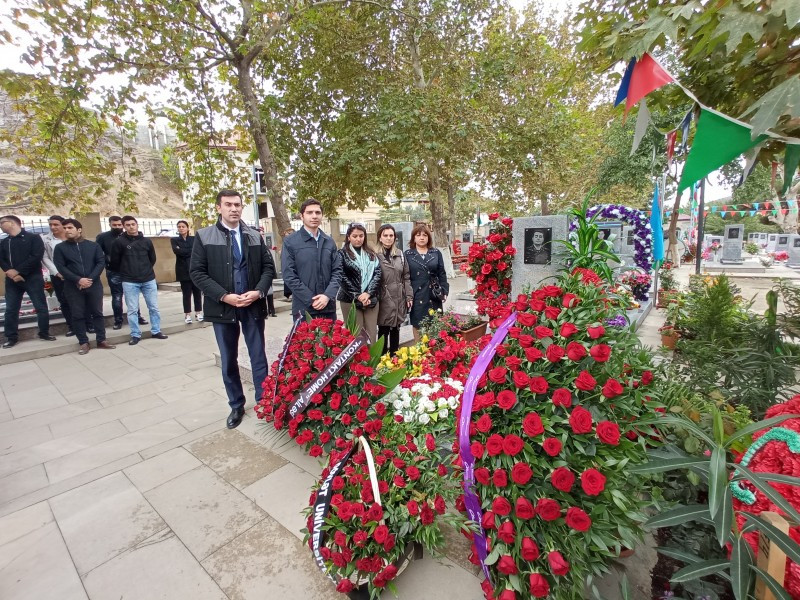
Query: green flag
(790,163)
(717,141)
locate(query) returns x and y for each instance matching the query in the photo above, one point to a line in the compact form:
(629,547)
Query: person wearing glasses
(428,277)
(361,280)
(396,297)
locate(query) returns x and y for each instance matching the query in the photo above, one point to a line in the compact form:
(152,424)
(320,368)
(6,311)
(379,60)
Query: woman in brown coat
(396,296)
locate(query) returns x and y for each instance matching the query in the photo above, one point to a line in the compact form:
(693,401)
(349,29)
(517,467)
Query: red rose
(507,595)
(568,329)
(552,446)
(576,351)
(532,425)
(413,508)
(340,539)
(530,551)
(596,331)
(501,506)
(498,374)
(486,269)
(539,586)
(593,482)
(547,509)
(577,519)
(600,352)
(345,586)
(552,312)
(494,445)
(413,473)
(608,432)
(380,534)
(482,475)
(506,532)
(543,332)
(488,520)
(580,420)
(570,301)
(520,378)
(647,377)
(360,538)
(612,388)
(506,399)
(551,291)
(562,479)
(506,565)
(521,473)
(399,481)
(536,305)
(526,319)
(562,397)
(538,385)
(558,565)
(526,341)
(554,353)
(584,381)
(426,515)
(476,449)
(524,509)
(500,478)
(533,354)
(512,444)
(484,424)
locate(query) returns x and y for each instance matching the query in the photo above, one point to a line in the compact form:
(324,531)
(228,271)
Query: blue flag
(622,92)
(658,229)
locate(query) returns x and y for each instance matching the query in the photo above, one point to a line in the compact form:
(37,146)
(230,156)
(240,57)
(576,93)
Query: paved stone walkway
(119,480)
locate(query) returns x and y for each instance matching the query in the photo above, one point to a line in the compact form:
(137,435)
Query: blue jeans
(115,285)
(227,335)
(149,290)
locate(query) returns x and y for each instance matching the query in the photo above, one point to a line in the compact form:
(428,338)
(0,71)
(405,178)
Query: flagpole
(700,226)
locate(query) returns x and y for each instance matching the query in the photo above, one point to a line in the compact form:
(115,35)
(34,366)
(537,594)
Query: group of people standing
(383,286)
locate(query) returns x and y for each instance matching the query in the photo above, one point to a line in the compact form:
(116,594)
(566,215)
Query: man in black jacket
(80,262)
(21,259)
(231,265)
(133,256)
(106,241)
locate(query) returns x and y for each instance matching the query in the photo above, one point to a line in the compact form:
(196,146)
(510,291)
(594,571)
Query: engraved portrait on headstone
(783,240)
(797,243)
(733,234)
(629,241)
(538,245)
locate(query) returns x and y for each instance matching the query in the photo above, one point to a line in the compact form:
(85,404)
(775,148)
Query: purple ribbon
(471,501)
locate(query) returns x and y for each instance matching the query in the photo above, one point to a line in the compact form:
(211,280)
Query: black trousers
(189,290)
(391,338)
(34,287)
(86,304)
(58,288)
(271,304)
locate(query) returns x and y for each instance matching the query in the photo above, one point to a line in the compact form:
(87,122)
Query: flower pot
(664,298)
(669,339)
(477,332)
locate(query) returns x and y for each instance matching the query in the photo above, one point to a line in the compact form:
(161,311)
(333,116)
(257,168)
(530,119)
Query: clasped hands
(14,275)
(241,300)
(364,299)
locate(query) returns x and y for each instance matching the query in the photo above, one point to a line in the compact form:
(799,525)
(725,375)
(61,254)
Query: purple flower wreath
(642,232)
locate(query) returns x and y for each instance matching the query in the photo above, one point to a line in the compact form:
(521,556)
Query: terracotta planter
(477,332)
(668,340)
(664,297)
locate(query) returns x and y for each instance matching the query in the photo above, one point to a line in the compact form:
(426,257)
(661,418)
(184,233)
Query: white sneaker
(199,317)
(188,320)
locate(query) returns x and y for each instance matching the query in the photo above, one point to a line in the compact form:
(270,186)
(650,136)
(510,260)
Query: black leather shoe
(236,416)
(142,321)
(116,326)
(272,314)
(69,333)
(47,337)
(134,341)
(159,336)
(10,344)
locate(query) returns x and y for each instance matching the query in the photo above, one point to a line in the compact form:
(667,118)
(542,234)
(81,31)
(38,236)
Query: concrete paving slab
(23,522)
(180,440)
(51,416)
(162,468)
(21,439)
(30,401)
(22,482)
(102,519)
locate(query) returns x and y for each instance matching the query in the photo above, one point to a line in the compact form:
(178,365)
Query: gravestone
(762,237)
(627,247)
(708,242)
(612,232)
(732,246)
(794,252)
(772,242)
(466,237)
(783,243)
(402,232)
(538,257)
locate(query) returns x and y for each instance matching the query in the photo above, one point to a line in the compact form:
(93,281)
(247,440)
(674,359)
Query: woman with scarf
(396,296)
(361,279)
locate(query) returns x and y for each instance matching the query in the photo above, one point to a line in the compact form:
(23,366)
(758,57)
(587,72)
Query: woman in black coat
(182,247)
(426,267)
(361,280)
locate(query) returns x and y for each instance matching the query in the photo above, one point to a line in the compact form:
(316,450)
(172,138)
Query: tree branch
(213,22)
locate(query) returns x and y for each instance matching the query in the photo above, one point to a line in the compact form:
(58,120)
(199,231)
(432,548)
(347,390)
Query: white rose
(424,419)
(443,413)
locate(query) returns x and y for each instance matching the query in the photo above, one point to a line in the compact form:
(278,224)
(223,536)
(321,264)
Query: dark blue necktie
(237,253)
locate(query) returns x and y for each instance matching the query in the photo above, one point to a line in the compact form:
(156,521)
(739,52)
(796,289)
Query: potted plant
(469,327)
(668,331)
(669,336)
(668,284)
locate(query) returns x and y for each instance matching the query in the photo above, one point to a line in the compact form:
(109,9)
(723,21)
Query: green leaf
(770,492)
(493,557)
(391,379)
(741,561)
(717,480)
(701,569)
(719,426)
(783,541)
(781,100)
(779,478)
(681,421)
(749,430)
(791,8)
(679,554)
(351,323)
(376,351)
(724,517)
(776,588)
(738,23)
(678,515)
(669,464)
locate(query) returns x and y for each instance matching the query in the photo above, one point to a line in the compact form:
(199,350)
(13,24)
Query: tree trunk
(434,186)
(545,206)
(265,156)
(451,205)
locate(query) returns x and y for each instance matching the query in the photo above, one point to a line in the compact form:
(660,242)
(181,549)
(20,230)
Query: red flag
(785,211)
(647,76)
(671,137)
(763,213)
(724,207)
(705,213)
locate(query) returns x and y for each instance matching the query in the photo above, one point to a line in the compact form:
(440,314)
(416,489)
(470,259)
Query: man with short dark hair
(133,256)
(312,265)
(106,241)
(81,261)
(232,266)
(21,256)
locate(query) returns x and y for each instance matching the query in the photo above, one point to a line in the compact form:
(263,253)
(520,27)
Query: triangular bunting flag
(622,92)
(791,161)
(756,205)
(658,228)
(647,76)
(714,209)
(684,127)
(722,214)
(749,165)
(725,207)
(671,137)
(742,213)
(767,204)
(763,213)
(717,141)
(752,213)
(785,211)
(642,121)
(705,214)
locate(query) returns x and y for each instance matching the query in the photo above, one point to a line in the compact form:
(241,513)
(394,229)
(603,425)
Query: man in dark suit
(233,268)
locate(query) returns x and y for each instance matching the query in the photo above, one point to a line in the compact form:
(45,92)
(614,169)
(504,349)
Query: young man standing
(106,241)
(21,256)
(80,262)
(233,268)
(133,257)
(312,265)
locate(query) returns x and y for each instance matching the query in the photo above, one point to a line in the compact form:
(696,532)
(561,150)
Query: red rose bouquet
(489,265)
(347,406)
(374,518)
(552,433)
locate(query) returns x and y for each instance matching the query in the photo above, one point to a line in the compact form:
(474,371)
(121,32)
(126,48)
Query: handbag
(436,288)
